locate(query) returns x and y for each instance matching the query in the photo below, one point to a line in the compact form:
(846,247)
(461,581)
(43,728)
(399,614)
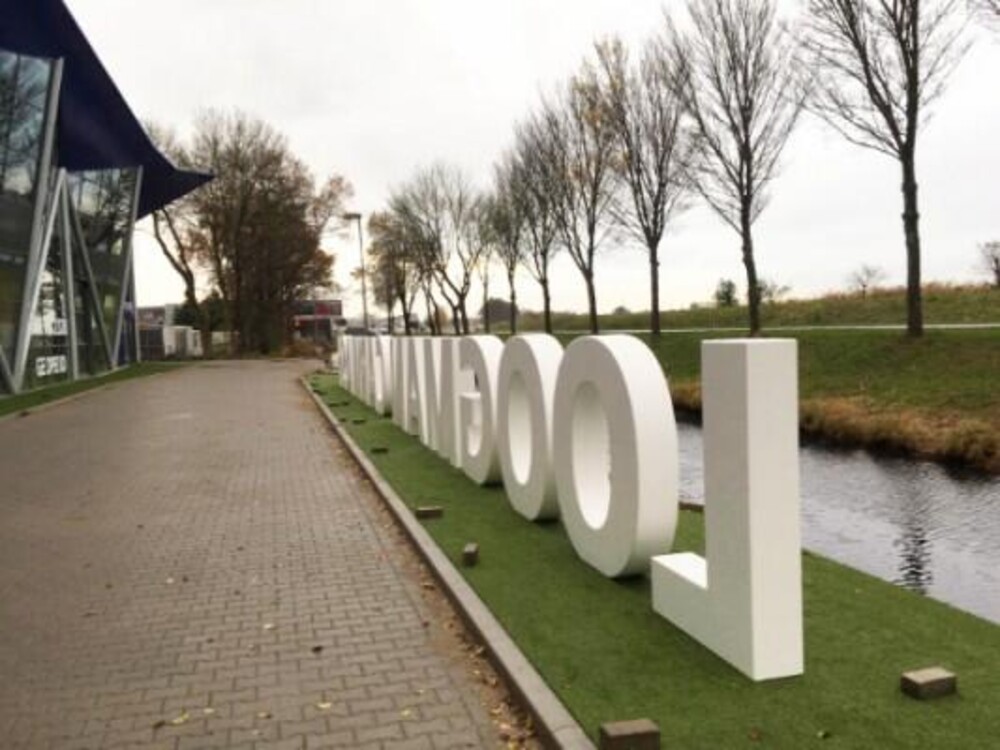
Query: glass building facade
(66,284)
(24,89)
(76,171)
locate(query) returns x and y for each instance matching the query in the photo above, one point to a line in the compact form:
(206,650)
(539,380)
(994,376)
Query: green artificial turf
(600,646)
(31,399)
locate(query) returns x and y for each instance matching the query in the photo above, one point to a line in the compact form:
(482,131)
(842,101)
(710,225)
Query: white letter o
(615,454)
(525,394)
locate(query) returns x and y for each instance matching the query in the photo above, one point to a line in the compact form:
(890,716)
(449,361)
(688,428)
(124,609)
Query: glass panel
(104,202)
(23,89)
(48,352)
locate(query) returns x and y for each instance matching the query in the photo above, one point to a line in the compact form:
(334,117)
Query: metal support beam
(33,284)
(69,283)
(130,231)
(88,269)
(135,318)
(5,373)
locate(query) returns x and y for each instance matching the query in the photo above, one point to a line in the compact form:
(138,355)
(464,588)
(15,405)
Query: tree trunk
(486,303)
(456,320)
(431,315)
(911,228)
(513,308)
(592,301)
(547,304)
(464,317)
(654,291)
(753,285)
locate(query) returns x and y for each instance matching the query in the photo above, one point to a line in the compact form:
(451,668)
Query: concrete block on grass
(635,734)
(428,511)
(470,554)
(930,682)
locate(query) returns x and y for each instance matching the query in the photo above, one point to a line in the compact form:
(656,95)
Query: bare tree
(880,65)
(485,264)
(771,291)
(440,206)
(532,179)
(988,9)
(645,111)
(395,263)
(866,278)
(506,218)
(580,153)
(174,229)
(740,87)
(989,257)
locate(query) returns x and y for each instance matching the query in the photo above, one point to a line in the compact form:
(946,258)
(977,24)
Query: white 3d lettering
(588,435)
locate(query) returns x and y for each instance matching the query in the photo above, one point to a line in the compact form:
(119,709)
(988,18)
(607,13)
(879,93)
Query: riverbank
(936,398)
(599,645)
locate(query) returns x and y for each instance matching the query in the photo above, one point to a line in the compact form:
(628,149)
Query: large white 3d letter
(432,388)
(367,371)
(400,381)
(381,364)
(615,453)
(525,395)
(745,601)
(344,362)
(416,403)
(357,367)
(481,355)
(444,382)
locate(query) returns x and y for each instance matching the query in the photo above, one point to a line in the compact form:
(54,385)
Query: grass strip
(608,656)
(38,397)
(943,304)
(935,397)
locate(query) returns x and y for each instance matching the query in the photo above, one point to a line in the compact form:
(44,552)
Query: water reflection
(909,522)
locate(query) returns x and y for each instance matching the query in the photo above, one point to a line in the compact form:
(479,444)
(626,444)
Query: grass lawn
(600,646)
(32,399)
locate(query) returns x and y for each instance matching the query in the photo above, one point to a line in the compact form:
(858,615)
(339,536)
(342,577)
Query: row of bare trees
(630,141)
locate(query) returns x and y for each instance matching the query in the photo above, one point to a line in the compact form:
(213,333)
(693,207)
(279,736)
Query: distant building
(317,320)
(157,317)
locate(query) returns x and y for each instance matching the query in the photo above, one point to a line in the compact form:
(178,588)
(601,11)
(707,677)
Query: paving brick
(150,535)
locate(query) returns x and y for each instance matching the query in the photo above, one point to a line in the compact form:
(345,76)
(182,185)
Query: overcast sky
(376,88)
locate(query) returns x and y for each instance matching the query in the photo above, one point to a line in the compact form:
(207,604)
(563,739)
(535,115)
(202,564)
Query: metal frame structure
(55,213)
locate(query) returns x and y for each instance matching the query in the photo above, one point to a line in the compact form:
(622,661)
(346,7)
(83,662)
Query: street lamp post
(361,247)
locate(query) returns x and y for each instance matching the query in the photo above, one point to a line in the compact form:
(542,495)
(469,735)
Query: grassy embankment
(942,304)
(600,646)
(938,398)
(41,396)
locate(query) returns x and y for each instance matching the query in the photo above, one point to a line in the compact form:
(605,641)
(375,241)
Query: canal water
(909,522)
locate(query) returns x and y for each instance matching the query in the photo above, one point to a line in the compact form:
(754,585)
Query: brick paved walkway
(194,549)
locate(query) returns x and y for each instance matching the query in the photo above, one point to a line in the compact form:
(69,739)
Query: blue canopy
(96,128)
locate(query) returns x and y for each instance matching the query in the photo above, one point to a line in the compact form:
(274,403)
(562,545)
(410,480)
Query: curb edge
(556,725)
